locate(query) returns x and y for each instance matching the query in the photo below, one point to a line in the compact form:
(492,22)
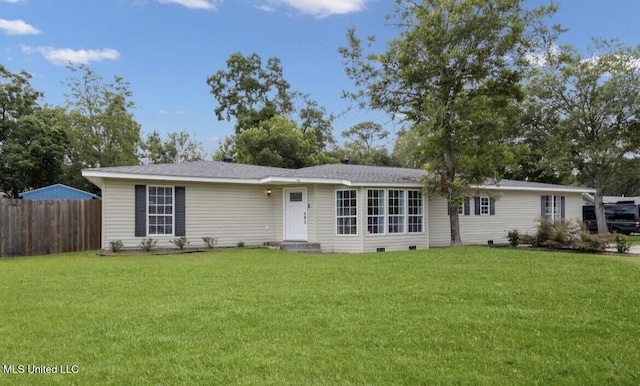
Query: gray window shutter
(492,206)
(141,211)
(476,205)
(180,211)
(562,212)
(467,206)
(543,200)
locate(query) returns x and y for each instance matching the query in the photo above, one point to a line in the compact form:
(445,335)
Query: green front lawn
(634,239)
(469,315)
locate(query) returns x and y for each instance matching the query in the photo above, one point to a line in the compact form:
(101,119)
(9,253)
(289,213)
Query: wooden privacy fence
(41,227)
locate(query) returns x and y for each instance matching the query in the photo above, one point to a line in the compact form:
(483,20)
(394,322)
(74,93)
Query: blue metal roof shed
(58,192)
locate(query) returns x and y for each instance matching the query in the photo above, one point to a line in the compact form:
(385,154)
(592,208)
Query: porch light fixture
(269,192)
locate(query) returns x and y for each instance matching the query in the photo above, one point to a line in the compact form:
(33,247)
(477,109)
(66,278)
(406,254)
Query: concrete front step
(296,246)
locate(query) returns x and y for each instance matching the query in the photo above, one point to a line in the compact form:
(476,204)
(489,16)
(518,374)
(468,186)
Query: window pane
(346,211)
(160,210)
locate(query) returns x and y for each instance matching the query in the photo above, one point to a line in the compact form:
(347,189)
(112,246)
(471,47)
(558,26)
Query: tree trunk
(601,220)
(454,221)
(454,224)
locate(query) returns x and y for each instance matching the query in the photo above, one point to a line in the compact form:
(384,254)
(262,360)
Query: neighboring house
(345,208)
(58,192)
(588,199)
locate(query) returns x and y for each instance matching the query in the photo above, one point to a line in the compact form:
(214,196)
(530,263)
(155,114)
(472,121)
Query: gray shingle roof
(351,173)
(527,184)
(360,173)
(207,169)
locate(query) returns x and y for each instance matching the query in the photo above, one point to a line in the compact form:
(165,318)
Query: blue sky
(166,49)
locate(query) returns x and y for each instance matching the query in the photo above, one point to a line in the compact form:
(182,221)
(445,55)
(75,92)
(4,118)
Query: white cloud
(540,59)
(64,56)
(18,27)
(317,8)
(194,4)
(12,1)
(175,112)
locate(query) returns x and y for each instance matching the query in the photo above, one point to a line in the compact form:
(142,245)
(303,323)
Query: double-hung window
(552,208)
(375,211)
(484,205)
(415,211)
(160,210)
(346,212)
(396,211)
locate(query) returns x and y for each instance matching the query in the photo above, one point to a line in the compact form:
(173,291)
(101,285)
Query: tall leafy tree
(627,179)
(454,74)
(17,99)
(406,149)
(363,145)
(276,142)
(253,94)
(34,155)
(591,111)
(314,117)
(249,91)
(178,147)
(103,129)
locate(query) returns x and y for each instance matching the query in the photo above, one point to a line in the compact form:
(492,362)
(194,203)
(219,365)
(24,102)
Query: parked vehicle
(622,217)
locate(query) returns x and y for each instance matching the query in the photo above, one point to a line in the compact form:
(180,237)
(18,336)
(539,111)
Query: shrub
(560,233)
(566,234)
(240,244)
(180,242)
(514,237)
(592,242)
(116,245)
(210,242)
(527,239)
(148,244)
(544,232)
(622,244)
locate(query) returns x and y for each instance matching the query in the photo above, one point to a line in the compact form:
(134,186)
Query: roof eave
(568,189)
(89,174)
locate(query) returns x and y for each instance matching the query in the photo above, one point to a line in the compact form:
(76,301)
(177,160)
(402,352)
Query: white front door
(295,214)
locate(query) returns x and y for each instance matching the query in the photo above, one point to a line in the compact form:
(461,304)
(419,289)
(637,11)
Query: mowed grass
(472,315)
(634,239)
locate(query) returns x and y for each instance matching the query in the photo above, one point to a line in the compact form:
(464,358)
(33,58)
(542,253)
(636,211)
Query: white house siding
(324,226)
(324,231)
(229,212)
(396,242)
(514,210)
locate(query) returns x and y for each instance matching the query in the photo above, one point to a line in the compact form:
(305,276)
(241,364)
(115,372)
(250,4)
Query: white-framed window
(375,211)
(552,207)
(396,211)
(415,211)
(160,213)
(346,212)
(485,206)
